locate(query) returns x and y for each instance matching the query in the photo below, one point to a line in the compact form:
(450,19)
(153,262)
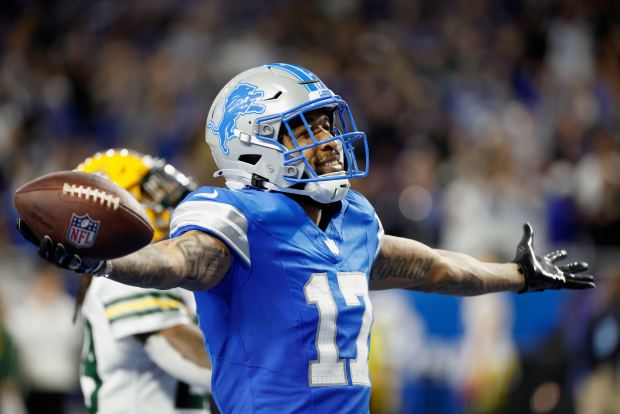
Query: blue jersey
(288,327)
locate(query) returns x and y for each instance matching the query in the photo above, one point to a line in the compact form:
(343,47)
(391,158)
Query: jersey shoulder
(212,194)
(360,205)
(217,211)
(228,214)
(364,215)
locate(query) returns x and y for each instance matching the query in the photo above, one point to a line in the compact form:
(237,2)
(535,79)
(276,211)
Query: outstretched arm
(407,264)
(194,261)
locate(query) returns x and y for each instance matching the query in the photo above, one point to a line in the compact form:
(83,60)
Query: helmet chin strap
(323,192)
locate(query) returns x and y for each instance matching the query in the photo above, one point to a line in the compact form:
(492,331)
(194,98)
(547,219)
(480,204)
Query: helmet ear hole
(251,159)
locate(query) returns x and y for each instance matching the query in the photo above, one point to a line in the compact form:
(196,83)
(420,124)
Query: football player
(282,260)
(143,352)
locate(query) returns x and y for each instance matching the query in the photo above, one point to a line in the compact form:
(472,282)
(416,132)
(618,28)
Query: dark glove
(542,273)
(57,254)
(25,231)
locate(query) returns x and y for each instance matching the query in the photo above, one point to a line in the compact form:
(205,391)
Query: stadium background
(480,115)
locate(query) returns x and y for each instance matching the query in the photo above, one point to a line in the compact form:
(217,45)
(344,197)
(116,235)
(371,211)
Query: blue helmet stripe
(302,74)
(319,85)
(306,72)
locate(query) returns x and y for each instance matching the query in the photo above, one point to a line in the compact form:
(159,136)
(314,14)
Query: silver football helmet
(248,117)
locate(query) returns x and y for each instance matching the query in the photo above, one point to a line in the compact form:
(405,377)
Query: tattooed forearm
(417,274)
(145,268)
(194,261)
(464,275)
(410,268)
(407,264)
(467,284)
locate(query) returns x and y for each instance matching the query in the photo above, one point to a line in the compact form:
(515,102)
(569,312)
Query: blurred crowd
(480,115)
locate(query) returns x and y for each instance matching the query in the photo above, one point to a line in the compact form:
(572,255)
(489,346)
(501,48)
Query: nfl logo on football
(82,231)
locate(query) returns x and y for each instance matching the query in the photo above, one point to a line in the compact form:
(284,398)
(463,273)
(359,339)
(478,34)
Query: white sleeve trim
(170,360)
(380,234)
(223,220)
(149,323)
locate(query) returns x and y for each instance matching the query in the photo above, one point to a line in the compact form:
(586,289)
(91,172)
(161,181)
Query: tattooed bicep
(402,263)
(204,259)
(194,261)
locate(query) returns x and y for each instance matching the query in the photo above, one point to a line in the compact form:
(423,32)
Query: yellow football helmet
(158,186)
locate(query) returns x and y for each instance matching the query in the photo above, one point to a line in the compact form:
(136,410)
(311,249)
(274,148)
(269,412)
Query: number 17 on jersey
(329,368)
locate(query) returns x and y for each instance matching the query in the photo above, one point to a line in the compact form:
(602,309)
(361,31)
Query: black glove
(25,231)
(542,273)
(57,254)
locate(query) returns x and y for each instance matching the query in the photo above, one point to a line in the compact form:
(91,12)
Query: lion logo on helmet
(241,101)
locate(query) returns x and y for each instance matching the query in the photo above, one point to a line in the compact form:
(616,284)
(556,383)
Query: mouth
(329,165)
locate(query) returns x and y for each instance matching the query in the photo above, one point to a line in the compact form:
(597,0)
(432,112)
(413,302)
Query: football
(91,215)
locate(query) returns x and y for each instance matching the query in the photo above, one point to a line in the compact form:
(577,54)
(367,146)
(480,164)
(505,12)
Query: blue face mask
(353,142)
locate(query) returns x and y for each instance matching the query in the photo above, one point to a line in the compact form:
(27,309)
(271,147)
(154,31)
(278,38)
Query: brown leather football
(91,215)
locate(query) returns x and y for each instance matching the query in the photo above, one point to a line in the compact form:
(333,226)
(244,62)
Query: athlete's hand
(57,254)
(542,273)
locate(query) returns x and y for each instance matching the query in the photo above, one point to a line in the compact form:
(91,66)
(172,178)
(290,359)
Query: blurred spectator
(599,391)
(10,400)
(488,198)
(543,382)
(488,353)
(47,341)
(442,354)
(598,187)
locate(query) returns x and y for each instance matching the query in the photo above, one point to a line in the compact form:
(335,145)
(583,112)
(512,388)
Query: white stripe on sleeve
(380,234)
(223,220)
